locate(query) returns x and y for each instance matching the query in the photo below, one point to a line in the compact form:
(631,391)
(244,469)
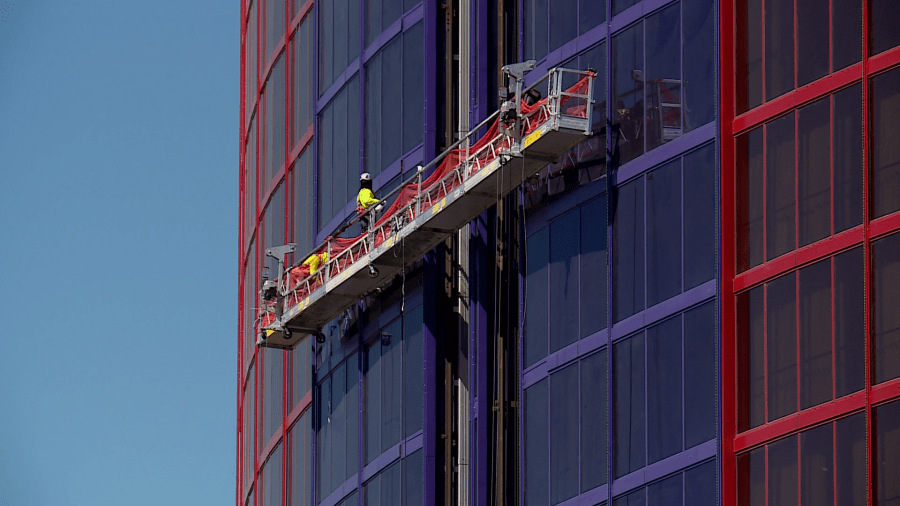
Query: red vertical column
(870,452)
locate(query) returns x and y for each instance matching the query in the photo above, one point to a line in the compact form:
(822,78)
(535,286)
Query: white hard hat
(365,177)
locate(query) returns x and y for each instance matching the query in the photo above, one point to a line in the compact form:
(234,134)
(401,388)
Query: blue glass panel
(564,436)
(339,413)
(664,371)
(700,484)
(300,488)
(628,90)
(564,247)
(372,491)
(372,371)
(536,21)
(373,20)
(352,407)
(664,232)
(390,485)
(628,254)
(413,88)
(699,64)
(590,14)
(414,370)
(326,165)
(536,286)
(327,70)
(593,420)
(593,264)
(563,22)
(354,147)
(374,102)
(628,405)
(391,82)
(392,388)
(667,492)
(700,374)
(700,209)
(414,479)
(636,498)
(536,444)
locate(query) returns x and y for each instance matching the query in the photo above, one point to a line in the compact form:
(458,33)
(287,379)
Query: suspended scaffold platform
(469,177)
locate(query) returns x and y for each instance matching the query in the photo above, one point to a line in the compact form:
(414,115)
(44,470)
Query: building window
(337,447)
(394,92)
(338,152)
(566,281)
(300,468)
(569,421)
(766,45)
(248,429)
(271,411)
(678,257)
(887,445)
(885,93)
(302,72)
(658,411)
(656,95)
(339,34)
(885,26)
(303,212)
(273,117)
(775,215)
(773,380)
(549,25)
(271,479)
(816,466)
(381,14)
(696,485)
(886,314)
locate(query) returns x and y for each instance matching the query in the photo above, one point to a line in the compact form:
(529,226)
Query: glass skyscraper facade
(707,317)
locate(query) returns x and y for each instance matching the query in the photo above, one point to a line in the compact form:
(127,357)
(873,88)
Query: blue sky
(118,251)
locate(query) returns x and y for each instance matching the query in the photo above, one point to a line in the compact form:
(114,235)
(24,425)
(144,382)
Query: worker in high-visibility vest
(365,199)
(315,261)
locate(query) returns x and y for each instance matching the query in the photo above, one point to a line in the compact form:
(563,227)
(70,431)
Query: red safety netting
(432,189)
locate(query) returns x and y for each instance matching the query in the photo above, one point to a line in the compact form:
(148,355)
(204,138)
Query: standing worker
(365,199)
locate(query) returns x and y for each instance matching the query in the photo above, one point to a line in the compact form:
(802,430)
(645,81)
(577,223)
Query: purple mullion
(675,463)
(483,68)
(315,124)
(431,9)
(609,272)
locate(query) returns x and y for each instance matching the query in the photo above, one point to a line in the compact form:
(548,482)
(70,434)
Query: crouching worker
(366,199)
(315,261)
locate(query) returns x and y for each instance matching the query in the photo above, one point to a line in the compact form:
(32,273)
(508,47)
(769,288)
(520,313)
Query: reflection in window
(394,91)
(302,210)
(662,83)
(339,33)
(627,93)
(414,479)
(564,434)
(699,62)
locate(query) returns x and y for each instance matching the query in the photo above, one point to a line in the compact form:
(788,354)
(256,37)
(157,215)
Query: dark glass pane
(846,32)
(301,372)
(326,164)
(563,20)
(751,481)
(620,5)
(751,358)
(392,388)
(564,436)
(781,346)
(815,334)
(780,199)
(390,485)
(414,479)
(812,38)
(352,465)
(886,277)
(536,21)
(628,405)
(372,371)
(668,491)
(663,76)
(593,264)
(699,65)
(564,247)
(342,160)
(664,232)
(664,369)
(628,256)
(536,286)
(782,472)
(749,196)
(887,447)
(814,172)
(700,485)
(850,460)
(324,441)
(392,100)
(593,421)
(414,370)
(373,20)
(374,129)
(272,477)
(390,12)
(536,444)
(748,16)
(272,413)
(885,25)
(300,488)
(779,30)
(339,415)
(372,492)
(326,46)
(885,149)
(413,90)
(700,209)
(816,472)
(848,173)
(628,90)
(849,322)
(700,374)
(590,14)
(636,498)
